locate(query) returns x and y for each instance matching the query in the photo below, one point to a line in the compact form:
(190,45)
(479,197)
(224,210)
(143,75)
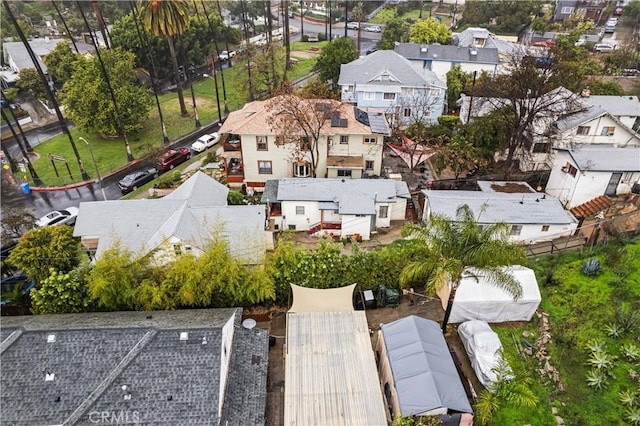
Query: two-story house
(386,81)
(442,58)
(588,9)
(624,108)
(349,145)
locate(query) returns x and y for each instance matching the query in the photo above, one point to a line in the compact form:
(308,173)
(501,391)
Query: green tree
(62,293)
(169,19)
(334,54)
(88,102)
(457,82)
(454,246)
(60,62)
(632,10)
(608,88)
(29,80)
(43,248)
(395,30)
(459,155)
(429,31)
(315,88)
(506,390)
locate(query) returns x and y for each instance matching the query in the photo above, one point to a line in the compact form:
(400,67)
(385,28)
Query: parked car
(484,349)
(134,180)
(66,216)
(224,55)
(205,142)
(610,28)
(618,11)
(602,48)
(373,28)
(372,49)
(352,25)
(14,285)
(173,157)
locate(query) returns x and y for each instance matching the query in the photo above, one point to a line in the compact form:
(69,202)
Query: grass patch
(110,154)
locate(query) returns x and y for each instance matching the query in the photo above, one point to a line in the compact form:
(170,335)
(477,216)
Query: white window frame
(370,140)
(344,172)
(369,164)
(344,139)
(383,212)
(406,112)
(369,96)
(608,131)
(567,10)
(435,93)
(583,130)
(262,169)
(301,170)
(300,210)
(516,230)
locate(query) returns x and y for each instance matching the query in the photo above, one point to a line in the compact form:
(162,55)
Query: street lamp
(192,70)
(95,165)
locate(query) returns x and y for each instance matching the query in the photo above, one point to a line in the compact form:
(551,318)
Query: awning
(322,300)
(412,152)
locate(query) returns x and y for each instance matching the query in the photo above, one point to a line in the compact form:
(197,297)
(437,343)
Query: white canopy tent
(476,299)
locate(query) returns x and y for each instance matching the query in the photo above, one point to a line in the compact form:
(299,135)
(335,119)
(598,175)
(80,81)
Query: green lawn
(111,155)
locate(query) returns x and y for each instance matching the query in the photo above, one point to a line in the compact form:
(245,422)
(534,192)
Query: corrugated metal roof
(330,373)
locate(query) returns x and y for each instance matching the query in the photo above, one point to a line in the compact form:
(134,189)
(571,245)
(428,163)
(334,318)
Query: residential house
(388,82)
(350,146)
(190,367)
(588,9)
(483,38)
(330,369)
(17,57)
(532,216)
(582,173)
(442,58)
(418,373)
(186,220)
(342,207)
(564,120)
(625,108)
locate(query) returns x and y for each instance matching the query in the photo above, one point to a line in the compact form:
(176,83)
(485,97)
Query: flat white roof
(330,371)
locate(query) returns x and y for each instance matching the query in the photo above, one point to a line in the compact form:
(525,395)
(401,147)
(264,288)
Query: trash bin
(25,188)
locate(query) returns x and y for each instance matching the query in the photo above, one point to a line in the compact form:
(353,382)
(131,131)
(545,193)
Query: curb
(84,183)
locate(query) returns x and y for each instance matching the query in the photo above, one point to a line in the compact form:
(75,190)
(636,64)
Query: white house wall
(352,224)
(621,136)
(302,222)
(534,234)
(441,68)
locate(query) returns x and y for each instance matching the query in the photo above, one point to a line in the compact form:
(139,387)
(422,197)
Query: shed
(476,299)
(418,373)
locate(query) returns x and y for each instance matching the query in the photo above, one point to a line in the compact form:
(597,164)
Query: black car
(135,180)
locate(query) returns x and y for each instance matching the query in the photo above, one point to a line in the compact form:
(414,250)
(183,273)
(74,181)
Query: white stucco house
(386,81)
(350,145)
(533,217)
(625,108)
(185,221)
(441,58)
(342,207)
(565,120)
(583,173)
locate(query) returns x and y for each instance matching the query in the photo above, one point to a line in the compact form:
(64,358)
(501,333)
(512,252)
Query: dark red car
(173,157)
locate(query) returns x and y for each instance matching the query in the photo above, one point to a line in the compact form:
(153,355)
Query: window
(583,130)
(567,10)
(344,172)
(368,165)
(349,89)
(434,92)
(261,142)
(369,96)
(572,170)
(516,229)
(406,112)
(607,131)
(389,96)
(264,167)
(545,228)
(300,210)
(369,139)
(344,139)
(540,147)
(626,177)
(384,212)
(292,227)
(301,170)
(177,249)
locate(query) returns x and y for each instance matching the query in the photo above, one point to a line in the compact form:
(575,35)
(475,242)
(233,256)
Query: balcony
(234,170)
(232,144)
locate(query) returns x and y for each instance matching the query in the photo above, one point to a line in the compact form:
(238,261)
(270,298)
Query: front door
(613,184)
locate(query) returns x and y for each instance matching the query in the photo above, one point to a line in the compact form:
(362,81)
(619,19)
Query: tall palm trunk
(287,39)
(50,96)
(246,40)
(107,80)
(176,73)
(32,171)
(213,63)
(144,41)
(447,312)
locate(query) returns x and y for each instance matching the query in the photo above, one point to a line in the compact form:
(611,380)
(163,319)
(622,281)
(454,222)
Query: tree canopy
(60,62)
(334,54)
(62,293)
(395,30)
(504,15)
(41,249)
(88,102)
(429,31)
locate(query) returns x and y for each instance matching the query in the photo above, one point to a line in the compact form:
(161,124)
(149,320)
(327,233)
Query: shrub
(591,267)
(305,37)
(322,37)
(168,180)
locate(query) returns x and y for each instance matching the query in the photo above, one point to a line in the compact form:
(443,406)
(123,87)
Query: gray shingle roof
(439,52)
(501,207)
(170,381)
(352,196)
(466,39)
(616,105)
(606,158)
(41,47)
(386,62)
(571,121)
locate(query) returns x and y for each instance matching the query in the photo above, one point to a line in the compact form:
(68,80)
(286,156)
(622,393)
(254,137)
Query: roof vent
(48,377)
(184,335)
(204,340)
(249,323)
(474,52)
(423,49)
(51,338)
(127,396)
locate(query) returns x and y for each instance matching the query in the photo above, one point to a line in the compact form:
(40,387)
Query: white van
(602,48)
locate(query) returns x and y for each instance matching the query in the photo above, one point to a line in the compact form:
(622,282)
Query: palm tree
(454,246)
(168,19)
